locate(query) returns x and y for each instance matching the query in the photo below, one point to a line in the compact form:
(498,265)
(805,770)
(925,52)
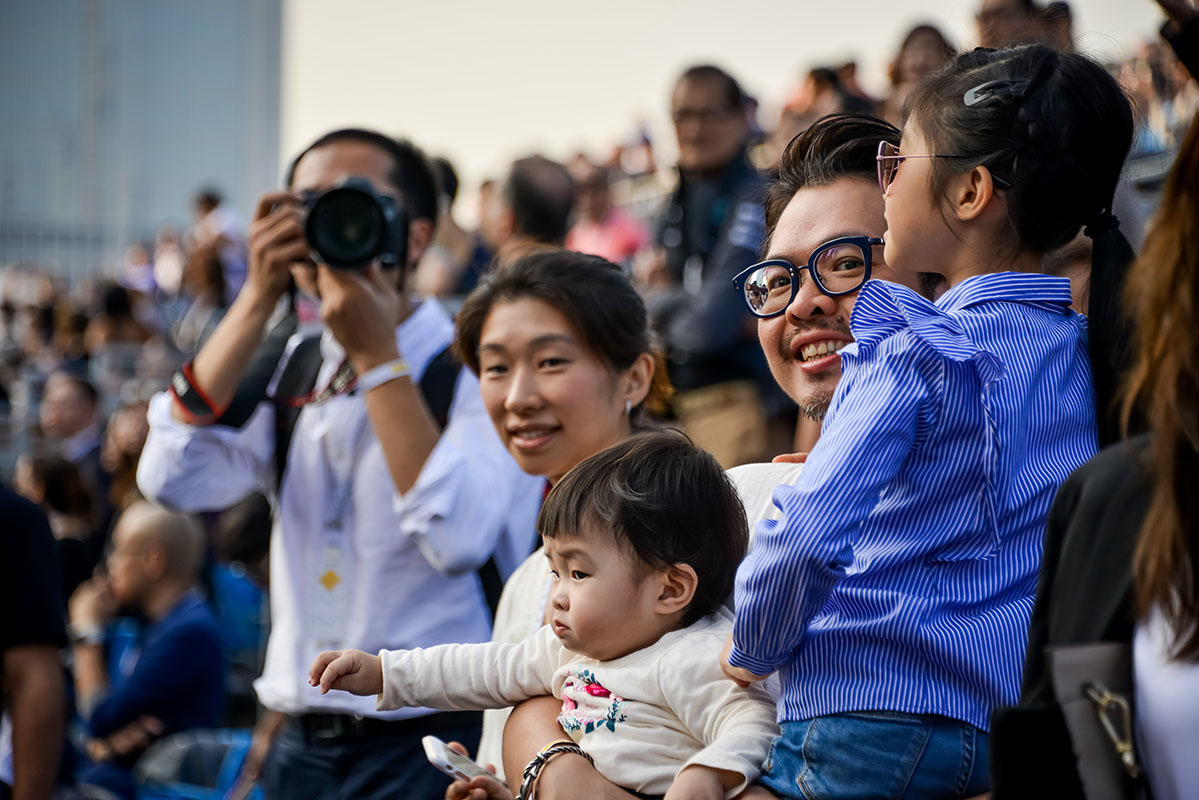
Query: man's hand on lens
(276,242)
(362,309)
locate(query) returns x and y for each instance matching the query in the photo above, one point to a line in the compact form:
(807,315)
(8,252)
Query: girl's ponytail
(1109,326)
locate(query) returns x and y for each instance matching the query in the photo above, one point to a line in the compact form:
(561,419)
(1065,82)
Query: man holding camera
(378,526)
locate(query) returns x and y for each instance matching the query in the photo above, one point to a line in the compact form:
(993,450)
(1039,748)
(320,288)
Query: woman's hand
(790,458)
(479,787)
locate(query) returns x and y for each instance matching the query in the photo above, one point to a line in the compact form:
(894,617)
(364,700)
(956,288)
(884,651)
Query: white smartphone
(449,762)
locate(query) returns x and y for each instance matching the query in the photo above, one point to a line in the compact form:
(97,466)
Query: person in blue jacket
(172,678)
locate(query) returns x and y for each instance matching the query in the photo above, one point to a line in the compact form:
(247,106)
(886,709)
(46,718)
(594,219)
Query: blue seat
(194,765)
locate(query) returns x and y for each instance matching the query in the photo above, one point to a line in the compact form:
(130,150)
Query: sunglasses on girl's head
(838,267)
(889,159)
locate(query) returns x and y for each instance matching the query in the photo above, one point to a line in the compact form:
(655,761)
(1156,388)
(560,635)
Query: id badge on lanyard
(332,565)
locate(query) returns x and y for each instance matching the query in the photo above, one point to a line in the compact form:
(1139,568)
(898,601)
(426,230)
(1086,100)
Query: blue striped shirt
(901,574)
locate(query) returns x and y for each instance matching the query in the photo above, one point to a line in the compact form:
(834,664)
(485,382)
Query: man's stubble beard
(815,409)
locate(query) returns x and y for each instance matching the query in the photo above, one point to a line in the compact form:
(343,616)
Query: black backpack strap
(297,380)
(437,387)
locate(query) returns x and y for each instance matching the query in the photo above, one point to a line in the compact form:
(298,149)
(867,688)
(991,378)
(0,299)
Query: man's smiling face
(801,344)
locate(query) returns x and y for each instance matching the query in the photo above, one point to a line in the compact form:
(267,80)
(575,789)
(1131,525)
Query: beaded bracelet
(549,751)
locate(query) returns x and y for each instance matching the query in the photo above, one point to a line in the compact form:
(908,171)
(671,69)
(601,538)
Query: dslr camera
(351,224)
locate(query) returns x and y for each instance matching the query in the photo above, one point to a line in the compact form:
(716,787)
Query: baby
(643,541)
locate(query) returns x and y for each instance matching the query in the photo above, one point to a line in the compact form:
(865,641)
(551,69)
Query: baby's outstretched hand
(351,671)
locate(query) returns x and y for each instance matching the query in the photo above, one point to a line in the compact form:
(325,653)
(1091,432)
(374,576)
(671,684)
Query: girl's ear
(637,379)
(677,585)
(971,193)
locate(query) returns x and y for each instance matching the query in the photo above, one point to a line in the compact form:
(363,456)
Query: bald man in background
(173,677)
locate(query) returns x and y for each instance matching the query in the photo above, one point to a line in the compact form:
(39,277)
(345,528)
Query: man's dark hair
(541,195)
(207,199)
(835,147)
(734,97)
(447,178)
(666,502)
(411,176)
(82,385)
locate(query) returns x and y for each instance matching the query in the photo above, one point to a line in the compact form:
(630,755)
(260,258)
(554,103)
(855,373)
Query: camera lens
(346,227)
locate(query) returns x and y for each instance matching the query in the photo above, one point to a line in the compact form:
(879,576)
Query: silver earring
(628,407)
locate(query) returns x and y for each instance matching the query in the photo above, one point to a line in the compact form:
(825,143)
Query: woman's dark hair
(1057,128)
(63,488)
(920,30)
(1163,293)
(665,501)
(834,147)
(592,293)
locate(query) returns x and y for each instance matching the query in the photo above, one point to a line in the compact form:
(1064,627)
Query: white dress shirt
(400,573)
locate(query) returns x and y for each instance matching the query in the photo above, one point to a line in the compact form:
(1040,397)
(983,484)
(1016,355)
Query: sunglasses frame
(865,243)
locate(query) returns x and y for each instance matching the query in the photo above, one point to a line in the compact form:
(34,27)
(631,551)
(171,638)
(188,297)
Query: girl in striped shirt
(894,592)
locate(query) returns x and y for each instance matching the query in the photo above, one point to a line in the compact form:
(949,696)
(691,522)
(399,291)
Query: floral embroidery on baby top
(587,705)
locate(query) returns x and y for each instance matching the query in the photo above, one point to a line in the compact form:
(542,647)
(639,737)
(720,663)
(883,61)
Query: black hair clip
(996,88)
(1104,222)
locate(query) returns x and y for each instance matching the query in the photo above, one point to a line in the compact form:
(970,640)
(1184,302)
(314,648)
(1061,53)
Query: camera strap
(343,380)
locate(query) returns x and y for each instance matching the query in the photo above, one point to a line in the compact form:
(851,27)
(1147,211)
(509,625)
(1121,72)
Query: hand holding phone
(449,762)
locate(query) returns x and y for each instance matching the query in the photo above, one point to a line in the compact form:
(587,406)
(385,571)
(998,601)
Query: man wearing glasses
(824,223)
(711,227)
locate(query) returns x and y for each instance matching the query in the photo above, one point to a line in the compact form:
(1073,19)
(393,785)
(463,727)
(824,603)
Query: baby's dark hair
(665,501)
(1055,126)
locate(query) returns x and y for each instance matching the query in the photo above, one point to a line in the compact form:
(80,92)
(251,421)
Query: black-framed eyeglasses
(838,267)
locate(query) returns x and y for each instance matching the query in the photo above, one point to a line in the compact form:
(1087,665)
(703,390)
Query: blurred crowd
(125,334)
(79,363)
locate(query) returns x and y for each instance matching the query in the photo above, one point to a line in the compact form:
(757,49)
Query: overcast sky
(483,82)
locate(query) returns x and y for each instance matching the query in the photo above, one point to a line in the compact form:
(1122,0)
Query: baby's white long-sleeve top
(642,717)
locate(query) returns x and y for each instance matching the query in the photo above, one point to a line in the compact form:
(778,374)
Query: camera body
(351,224)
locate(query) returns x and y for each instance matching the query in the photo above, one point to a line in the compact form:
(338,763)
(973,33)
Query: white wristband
(377,376)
